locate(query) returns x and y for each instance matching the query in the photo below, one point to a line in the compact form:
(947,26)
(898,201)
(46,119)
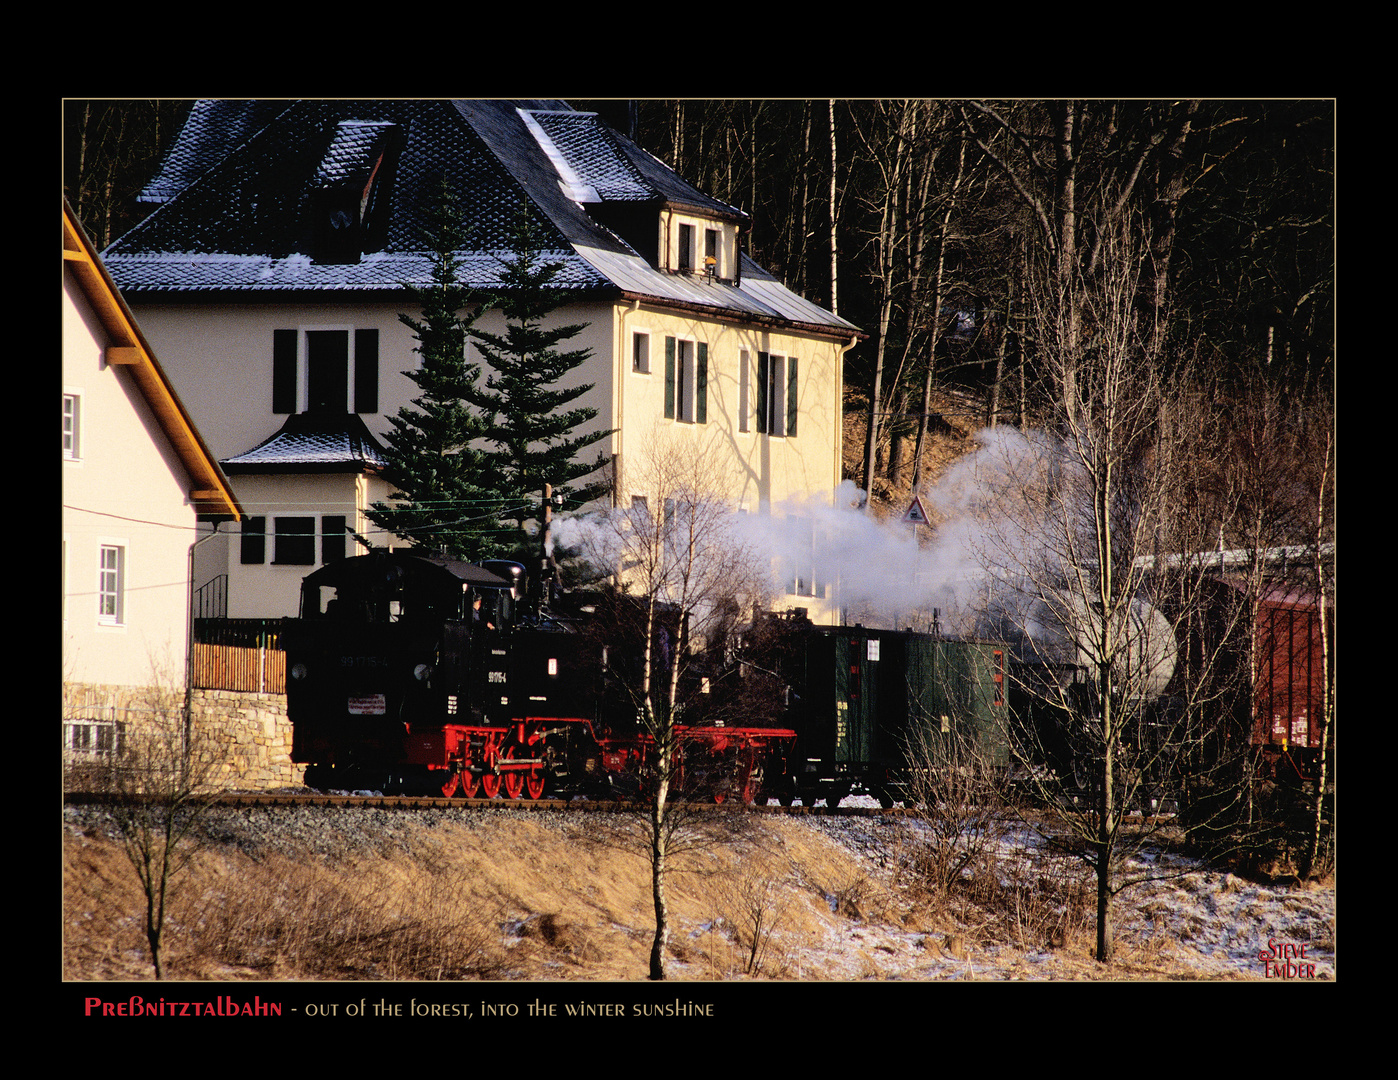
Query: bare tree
(683,568)
(1320,480)
(1085,548)
(162,779)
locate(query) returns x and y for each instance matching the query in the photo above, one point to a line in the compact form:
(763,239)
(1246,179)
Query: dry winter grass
(514,900)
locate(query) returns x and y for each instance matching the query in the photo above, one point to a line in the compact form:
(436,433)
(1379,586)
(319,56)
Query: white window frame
(89,738)
(640,365)
(686,380)
(72,425)
(689,259)
(803,579)
(303,363)
(685,252)
(685,369)
(111,581)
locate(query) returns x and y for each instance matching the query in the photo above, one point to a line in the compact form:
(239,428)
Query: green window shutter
(790,396)
(764,367)
(284,371)
(701,385)
(669,378)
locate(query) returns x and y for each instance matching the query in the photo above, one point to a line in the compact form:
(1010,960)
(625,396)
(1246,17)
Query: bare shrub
(960,816)
(758,904)
(161,778)
(296,920)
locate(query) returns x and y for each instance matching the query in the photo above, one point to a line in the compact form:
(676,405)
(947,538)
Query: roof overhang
(209,492)
(847,336)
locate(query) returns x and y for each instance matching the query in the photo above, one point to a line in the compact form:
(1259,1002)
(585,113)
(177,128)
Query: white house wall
(271,588)
(123,489)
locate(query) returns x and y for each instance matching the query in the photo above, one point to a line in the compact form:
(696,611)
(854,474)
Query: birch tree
(1087,515)
(682,568)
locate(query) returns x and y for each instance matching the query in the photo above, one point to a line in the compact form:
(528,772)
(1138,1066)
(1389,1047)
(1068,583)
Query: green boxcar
(872,695)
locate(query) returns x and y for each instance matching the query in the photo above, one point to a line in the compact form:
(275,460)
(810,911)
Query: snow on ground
(1185,921)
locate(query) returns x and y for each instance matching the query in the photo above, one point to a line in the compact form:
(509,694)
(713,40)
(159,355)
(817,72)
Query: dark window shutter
(764,368)
(366,371)
(332,538)
(701,384)
(790,396)
(254,542)
(283,371)
(669,378)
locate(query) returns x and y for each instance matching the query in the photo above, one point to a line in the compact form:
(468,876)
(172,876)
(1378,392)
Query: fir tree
(446,498)
(532,426)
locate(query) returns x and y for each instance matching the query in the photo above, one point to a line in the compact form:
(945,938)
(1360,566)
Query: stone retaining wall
(256,734)
(248,734)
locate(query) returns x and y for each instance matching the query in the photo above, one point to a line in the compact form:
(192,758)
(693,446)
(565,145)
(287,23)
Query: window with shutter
(333,366)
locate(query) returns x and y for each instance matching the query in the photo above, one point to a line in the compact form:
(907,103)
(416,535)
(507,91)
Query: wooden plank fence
(228,667)
(239,654)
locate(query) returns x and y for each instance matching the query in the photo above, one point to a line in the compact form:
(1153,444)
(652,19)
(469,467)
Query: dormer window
(349,203)
(699,247)
(685,250)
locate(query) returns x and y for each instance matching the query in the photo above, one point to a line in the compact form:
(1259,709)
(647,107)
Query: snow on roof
(242,189)
(313,442)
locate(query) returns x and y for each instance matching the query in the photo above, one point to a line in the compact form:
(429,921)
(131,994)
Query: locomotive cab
(389,647)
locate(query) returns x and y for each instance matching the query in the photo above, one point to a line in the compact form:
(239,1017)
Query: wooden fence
(239,654)
(228,667)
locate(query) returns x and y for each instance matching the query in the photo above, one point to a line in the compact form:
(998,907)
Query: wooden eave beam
(209,492)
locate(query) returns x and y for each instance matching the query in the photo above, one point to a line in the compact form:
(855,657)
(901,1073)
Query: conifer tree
(445,497)
(533,423)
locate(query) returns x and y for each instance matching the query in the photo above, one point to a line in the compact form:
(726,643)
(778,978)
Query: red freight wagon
(1289,686)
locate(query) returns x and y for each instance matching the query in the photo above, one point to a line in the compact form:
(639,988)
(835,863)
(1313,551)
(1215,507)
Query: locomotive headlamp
(298,671)
(422,671)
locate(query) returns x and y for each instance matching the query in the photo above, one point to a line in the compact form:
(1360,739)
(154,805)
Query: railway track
(428,802)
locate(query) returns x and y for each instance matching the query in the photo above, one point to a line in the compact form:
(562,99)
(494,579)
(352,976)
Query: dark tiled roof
(591,151)
(353,152)
(257,191)
(211,132)
(259,200)
(312,442)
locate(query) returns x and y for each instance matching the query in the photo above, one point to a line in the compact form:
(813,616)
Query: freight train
(420,674)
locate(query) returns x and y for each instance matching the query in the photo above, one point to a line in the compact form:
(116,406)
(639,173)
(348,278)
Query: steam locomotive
(419,674)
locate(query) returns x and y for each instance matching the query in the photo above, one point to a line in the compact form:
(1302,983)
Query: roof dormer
(698,246)
(350,190)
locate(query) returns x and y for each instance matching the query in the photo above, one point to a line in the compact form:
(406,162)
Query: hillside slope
(453,894)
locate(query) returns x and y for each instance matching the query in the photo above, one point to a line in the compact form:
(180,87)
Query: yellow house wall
(219,359)
(758,473)
(761,471)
